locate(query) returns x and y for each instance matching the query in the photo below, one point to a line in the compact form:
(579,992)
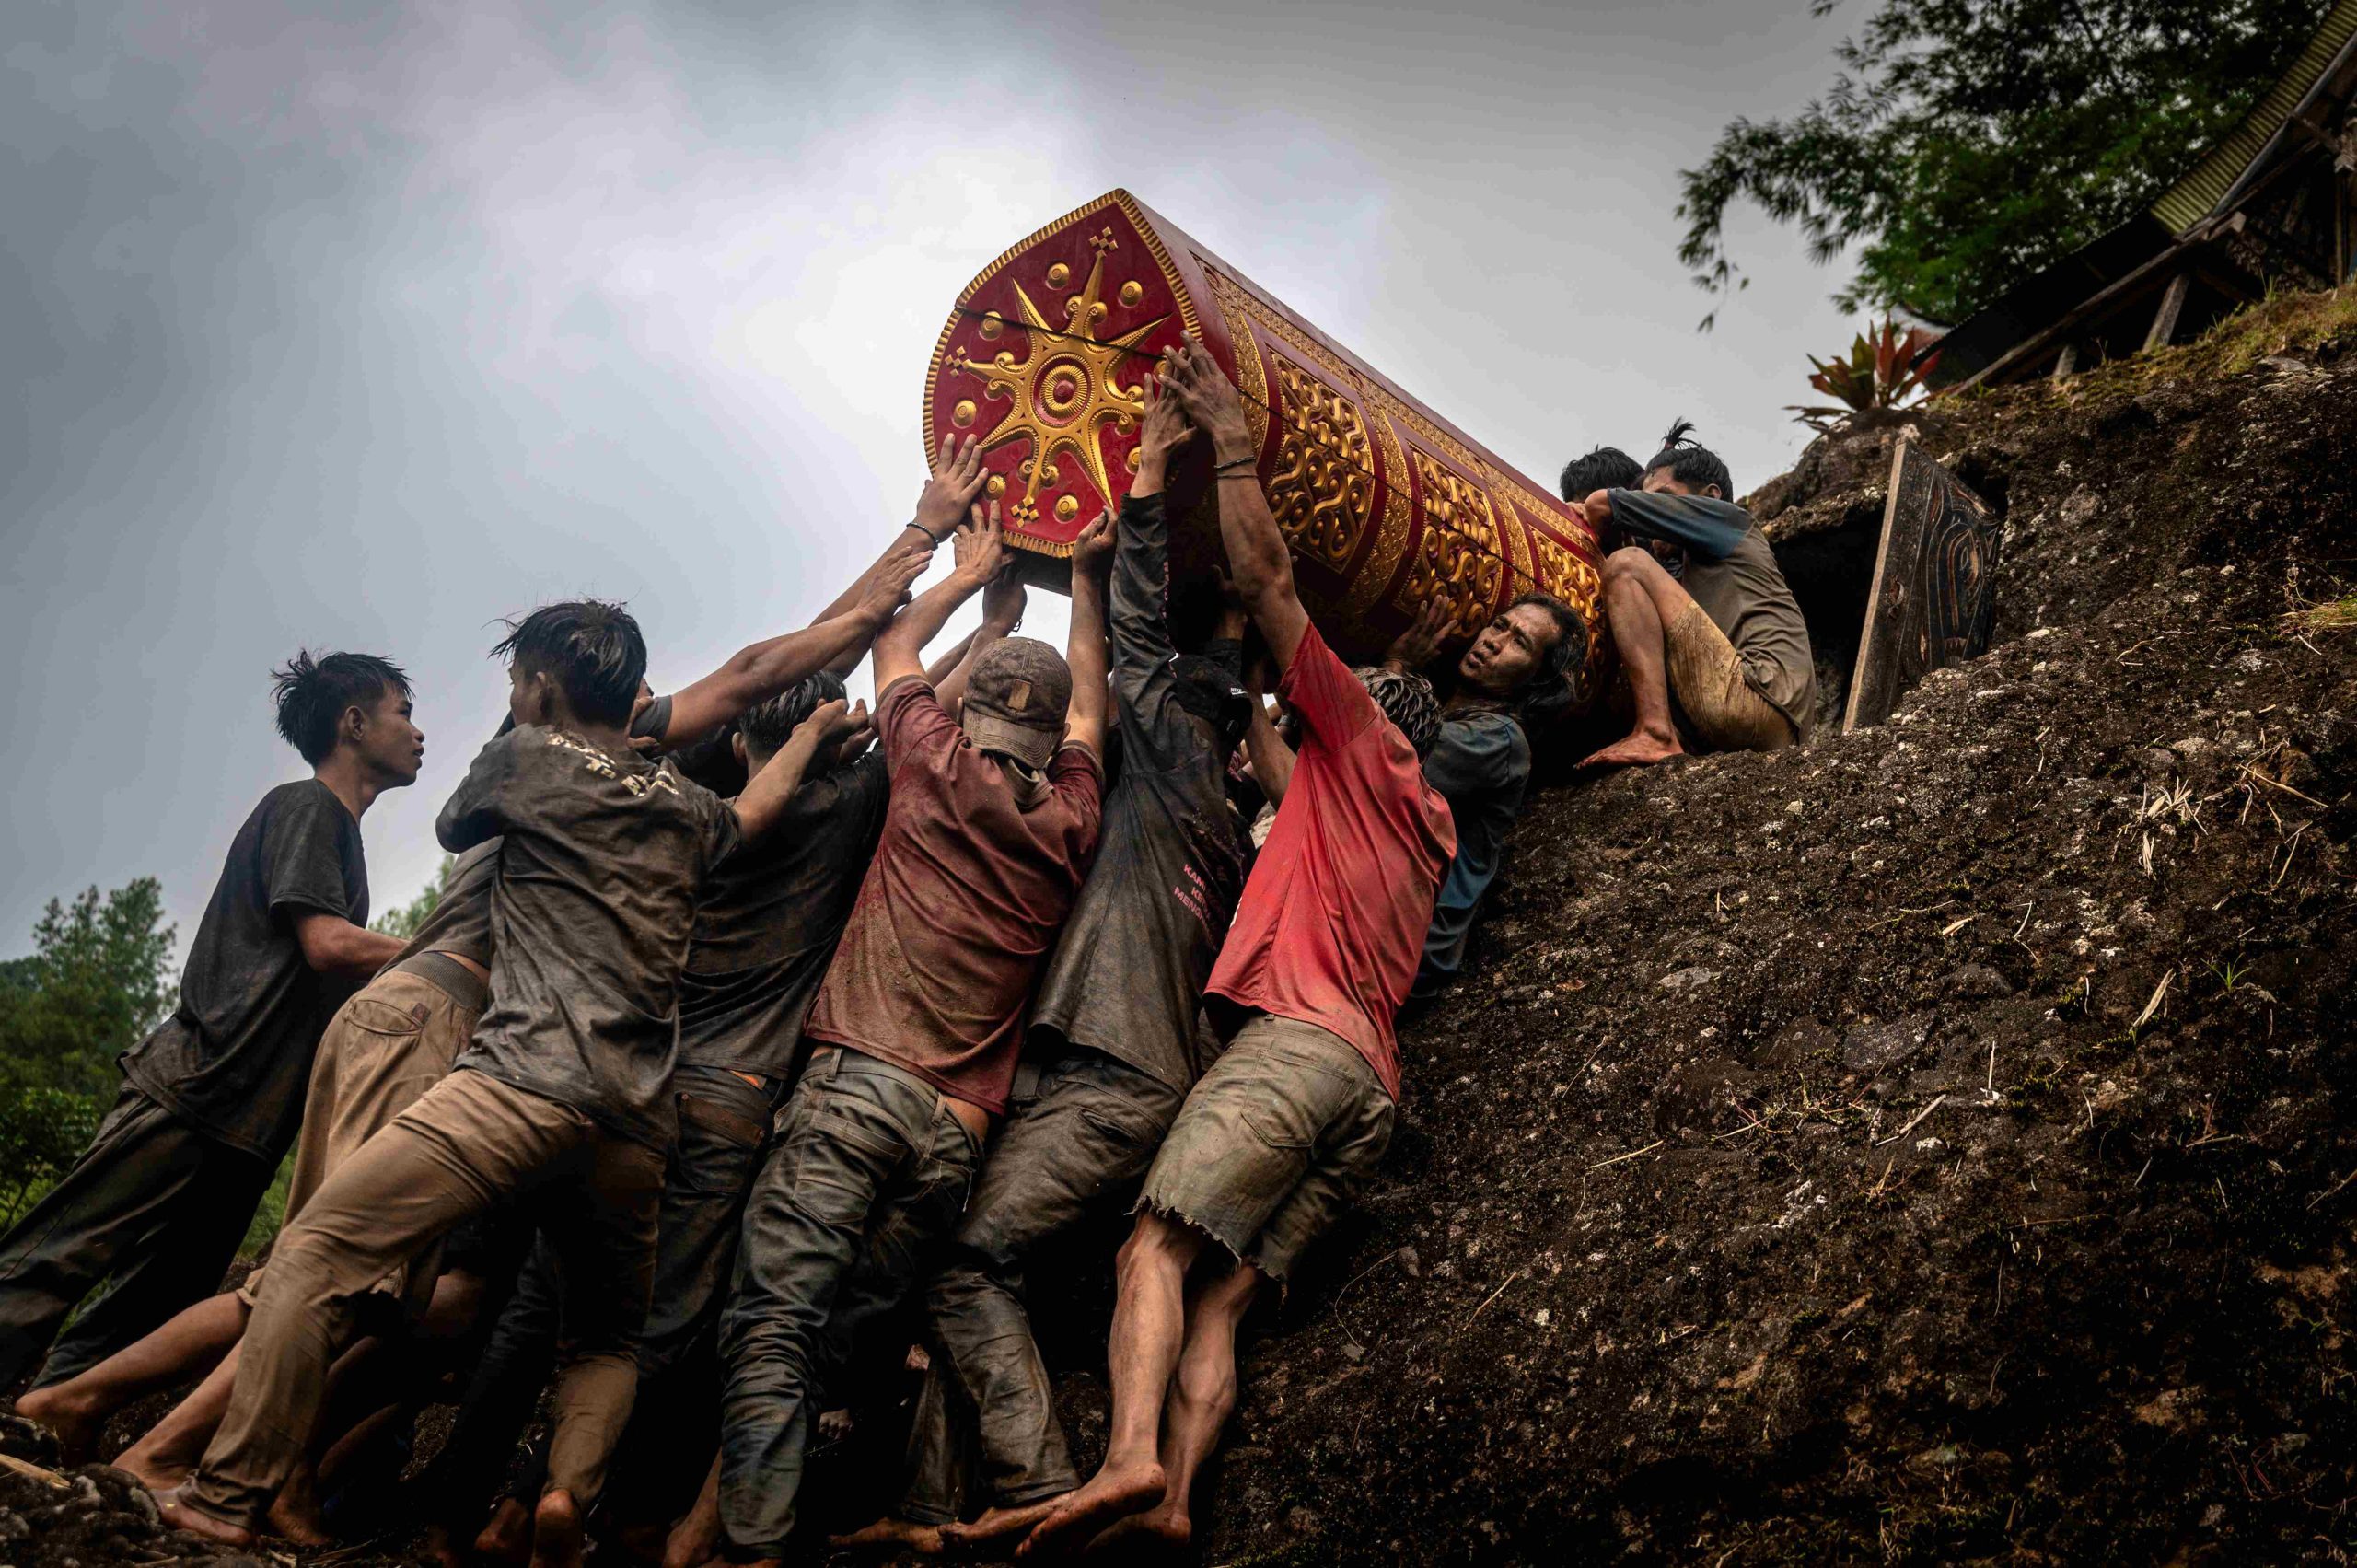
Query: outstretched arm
(1003,601)
(982,555)
(957,478)
(1092,553)
(1257,557)
(332,946)
(760,671)
(767,793)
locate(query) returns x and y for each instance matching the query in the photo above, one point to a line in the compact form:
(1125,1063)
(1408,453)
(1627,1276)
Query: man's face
(1508,650)
(390,743)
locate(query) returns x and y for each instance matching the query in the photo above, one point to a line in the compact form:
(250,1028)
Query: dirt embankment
(1935,1144)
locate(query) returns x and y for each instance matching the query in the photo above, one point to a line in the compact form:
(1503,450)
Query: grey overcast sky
(360,326)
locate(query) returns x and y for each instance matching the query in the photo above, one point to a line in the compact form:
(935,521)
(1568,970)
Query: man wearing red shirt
(1297,1112)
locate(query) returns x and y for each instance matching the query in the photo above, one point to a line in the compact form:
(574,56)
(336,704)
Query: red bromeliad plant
(1880,372)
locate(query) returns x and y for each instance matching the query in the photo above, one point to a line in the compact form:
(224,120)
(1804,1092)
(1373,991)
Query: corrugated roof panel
(2194,197)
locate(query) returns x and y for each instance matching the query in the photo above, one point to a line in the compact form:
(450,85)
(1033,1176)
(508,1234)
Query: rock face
(1991,1197)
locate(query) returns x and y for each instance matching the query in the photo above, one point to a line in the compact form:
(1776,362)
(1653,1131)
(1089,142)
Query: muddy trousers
(1071,1149)
(471,1143)
(154,1209)
(866,1177)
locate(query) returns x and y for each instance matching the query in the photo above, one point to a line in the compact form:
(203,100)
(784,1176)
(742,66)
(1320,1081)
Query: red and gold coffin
(1388,506)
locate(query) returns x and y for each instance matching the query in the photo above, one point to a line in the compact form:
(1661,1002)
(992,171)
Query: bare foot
(556,1532)
(156,1472)
(695,1539)
(888,1536)
(1163,1531)
(77,1421)
(999,1524)
(508,1538)
(177,1515)
(1638,749)
(1080,1515)
(295,1515)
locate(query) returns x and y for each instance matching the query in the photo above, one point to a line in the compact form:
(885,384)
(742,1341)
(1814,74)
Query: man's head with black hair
(1606,468)
(763,733)
(356,701)
(1685,467)
(1407,701)
(580,662)
(1520,656)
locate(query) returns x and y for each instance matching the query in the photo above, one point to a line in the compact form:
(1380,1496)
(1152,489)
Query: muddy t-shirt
(964,894)
(460,921)
(1332,923)
(1127,976)
(1731,572)
(601,861)
(1481,764)
(767,920)
(235,1057)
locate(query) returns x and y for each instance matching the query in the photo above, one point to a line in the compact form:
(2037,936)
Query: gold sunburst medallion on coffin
(1045,360)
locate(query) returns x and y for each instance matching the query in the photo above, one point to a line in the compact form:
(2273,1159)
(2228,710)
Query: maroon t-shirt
(965,894)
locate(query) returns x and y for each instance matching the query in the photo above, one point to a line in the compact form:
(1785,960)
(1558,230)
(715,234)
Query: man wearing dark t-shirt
(1113,1044)
(992,818)
(563,1093)
(210,1099)
(1297,1111)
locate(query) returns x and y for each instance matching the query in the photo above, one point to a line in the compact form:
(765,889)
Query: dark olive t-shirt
(1127,975)
(959,905)
(767,920)
(599,872)
(235,1057)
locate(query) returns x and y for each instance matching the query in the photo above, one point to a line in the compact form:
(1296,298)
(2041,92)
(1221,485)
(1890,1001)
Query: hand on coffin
(957,478)
(1208,400)
(1093,552)
(1163,432)
(981,549)
(1418,645)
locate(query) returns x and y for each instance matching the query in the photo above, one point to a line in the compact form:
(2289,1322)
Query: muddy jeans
(866,1175)
(154,1208)
(1074,1148)
(469,1142)
(724,1121)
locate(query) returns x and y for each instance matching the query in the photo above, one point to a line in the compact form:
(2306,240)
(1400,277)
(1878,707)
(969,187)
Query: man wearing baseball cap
(913,1037)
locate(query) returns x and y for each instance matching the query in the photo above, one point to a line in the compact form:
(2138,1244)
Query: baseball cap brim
(1030,747)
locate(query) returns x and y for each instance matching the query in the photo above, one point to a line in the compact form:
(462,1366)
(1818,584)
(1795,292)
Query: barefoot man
(1297,1112)
(1707,630)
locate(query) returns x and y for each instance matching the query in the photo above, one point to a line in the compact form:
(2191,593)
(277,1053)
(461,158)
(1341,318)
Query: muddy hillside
(1932,1145)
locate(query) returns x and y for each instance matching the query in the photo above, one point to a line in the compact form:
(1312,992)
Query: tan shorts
(392,1041)
(1706,678)
(1272,1142)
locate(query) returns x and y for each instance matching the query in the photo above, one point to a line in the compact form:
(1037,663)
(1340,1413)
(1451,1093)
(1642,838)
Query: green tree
(403,921)
(99,978)
(1966,144)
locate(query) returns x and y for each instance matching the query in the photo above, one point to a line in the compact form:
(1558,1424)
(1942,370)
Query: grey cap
(1016,699)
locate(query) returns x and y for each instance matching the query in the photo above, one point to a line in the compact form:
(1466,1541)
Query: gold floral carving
(1565,575)
(1321,488)
(1459,563)
(1243,313)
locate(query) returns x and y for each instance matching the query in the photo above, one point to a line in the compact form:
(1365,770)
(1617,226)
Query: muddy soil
(1931,1145)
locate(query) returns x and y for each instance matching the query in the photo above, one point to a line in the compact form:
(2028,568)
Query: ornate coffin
(1386,504)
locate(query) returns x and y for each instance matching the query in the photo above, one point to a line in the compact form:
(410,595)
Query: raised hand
(980,547)
(1415,648)
(1004,600)
(1091,551)
(1165,430)
(1208,399)
(957,478)
(833,721)
(888,590)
